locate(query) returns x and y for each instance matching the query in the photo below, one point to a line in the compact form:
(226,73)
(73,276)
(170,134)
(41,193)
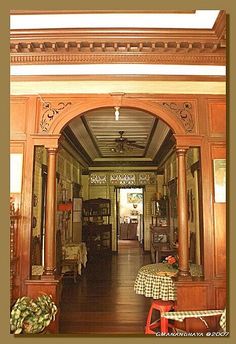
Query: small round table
(155,280)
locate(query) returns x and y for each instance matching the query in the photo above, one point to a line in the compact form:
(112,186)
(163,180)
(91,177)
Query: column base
(48,277)
(184,275)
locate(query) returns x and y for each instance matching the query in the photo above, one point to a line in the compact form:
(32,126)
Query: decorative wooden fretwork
(123,179)
(49,113)
(146,178)
(98,179)
(183,113)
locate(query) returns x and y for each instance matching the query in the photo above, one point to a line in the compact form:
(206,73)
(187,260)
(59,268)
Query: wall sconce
(117,113)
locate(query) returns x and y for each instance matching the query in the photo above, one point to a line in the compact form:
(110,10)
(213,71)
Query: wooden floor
(103,300)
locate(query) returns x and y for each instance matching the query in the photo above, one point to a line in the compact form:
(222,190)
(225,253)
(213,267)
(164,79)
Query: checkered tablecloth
(223,320)
(181,315)
(150,284)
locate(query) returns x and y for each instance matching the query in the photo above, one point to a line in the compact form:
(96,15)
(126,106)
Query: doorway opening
(130,221)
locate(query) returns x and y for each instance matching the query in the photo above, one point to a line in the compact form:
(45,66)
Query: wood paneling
(192,296)
(220,297)
(220,238)
(18,116)
(217,119)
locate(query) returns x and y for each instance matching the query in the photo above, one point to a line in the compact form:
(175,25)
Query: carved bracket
(49,114)
(182,112)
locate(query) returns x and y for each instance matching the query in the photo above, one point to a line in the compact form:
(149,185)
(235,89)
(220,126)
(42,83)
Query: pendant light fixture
(117,113)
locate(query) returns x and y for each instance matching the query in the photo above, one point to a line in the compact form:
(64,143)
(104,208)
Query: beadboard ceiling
(94,135)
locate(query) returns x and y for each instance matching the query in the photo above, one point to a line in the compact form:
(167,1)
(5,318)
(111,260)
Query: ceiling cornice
(120,45)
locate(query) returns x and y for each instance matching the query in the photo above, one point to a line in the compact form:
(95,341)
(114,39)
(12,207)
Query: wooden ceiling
(94,136)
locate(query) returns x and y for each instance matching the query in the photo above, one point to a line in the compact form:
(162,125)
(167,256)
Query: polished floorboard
(103,300)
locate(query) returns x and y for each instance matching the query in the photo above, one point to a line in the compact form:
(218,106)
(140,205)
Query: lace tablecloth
(76,252)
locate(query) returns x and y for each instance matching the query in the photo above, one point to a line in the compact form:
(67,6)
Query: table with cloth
(181,315)
(73,252)
(77,252)
(155,280)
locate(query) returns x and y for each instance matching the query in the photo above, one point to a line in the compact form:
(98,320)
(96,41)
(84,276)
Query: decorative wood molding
(120,45)
(188,140)
(183,112)
(106,58)
(49,113)
(118,77)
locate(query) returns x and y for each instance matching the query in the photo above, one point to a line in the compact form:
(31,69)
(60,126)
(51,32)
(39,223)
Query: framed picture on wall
(219,166)
(134,197)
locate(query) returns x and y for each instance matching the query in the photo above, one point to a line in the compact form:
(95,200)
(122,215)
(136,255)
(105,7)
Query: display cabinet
(97,231)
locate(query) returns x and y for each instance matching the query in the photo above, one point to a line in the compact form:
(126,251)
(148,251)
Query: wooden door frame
(143,193)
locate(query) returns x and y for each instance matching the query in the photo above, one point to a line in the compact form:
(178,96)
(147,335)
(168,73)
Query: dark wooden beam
(85,123)
(73,141)
(166,146)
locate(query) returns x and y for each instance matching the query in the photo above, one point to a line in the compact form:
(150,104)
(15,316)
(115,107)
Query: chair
(181,315)
(70,267)
(162,323)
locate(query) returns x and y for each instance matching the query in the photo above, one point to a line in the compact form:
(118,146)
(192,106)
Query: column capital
(51,150)
(181,150)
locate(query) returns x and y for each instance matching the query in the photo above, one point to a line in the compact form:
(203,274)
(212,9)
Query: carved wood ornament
(182,112)
(49,114)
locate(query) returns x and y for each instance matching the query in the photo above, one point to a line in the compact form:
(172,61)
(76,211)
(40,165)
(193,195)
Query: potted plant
(32,316)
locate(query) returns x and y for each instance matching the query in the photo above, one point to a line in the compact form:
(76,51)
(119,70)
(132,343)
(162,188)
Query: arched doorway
(68,111)
(57,122)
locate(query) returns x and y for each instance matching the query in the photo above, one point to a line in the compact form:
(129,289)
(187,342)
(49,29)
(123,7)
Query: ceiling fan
(123,144)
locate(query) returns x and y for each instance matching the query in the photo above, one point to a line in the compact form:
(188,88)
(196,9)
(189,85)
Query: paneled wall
(194,220)
(69,172)
(208,118)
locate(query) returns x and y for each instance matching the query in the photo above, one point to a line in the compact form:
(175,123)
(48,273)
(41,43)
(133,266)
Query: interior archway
(88,104)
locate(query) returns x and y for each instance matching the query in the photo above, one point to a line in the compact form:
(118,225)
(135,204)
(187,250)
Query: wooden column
(183,250)
(49,248)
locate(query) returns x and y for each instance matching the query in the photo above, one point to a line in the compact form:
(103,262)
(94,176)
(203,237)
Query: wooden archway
(77,109)
(69,111)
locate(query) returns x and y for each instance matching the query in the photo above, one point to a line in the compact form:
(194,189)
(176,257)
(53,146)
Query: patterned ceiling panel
(98,132)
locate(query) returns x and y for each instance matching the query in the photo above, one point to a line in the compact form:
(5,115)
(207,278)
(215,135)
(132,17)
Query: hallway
(103,300)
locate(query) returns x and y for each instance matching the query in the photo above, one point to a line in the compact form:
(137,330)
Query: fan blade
(135,145)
